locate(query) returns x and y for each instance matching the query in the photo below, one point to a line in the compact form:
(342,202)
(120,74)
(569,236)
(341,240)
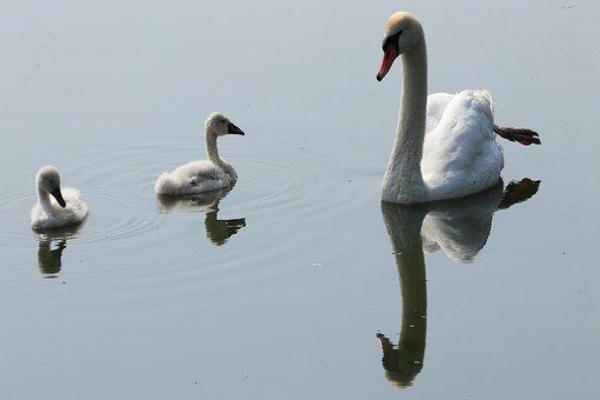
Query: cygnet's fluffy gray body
(56,207)
(204,175)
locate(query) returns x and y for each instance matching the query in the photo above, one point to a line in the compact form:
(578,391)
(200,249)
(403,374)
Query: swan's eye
(392,41)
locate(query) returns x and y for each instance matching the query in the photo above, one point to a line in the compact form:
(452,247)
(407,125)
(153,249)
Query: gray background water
(146,306)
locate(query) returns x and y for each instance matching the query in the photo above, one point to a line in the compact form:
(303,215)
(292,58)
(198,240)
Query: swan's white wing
(460,154)
(436,105)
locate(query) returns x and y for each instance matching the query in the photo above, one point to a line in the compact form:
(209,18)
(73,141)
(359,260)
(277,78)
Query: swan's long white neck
(403,180)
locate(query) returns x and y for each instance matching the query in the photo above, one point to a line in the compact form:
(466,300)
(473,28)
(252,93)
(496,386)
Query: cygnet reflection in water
(218,231)
(51,247)
(460,228)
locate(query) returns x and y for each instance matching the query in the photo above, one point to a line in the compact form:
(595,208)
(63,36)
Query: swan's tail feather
(521,135)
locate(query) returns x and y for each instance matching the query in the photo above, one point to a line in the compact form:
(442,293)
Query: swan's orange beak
(388,59)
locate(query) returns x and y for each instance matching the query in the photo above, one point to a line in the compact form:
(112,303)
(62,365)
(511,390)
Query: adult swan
(445,144)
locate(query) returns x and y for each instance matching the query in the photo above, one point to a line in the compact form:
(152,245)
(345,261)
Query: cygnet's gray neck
(212,151)
(45,202)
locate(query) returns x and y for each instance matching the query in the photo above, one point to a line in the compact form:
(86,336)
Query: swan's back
(460,153)
(436,105)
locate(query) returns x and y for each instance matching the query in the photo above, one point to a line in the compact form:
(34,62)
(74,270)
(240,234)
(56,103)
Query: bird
(445,145)
(203,175)
(56,207)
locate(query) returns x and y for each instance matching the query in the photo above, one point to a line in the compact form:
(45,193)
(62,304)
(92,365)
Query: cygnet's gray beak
(232,129)
(58,196)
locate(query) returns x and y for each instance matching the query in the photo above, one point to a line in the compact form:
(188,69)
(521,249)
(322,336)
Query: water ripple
(279,197)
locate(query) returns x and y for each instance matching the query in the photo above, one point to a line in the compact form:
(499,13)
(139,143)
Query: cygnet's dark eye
(391,41)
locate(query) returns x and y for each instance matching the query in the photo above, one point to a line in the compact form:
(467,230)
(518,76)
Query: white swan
(445,145)
(63,208)
(204,175)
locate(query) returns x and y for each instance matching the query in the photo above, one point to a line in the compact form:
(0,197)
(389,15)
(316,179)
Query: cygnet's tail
(521,135)
(164,184)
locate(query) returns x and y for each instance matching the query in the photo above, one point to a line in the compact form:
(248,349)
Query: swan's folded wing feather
(436,105)
(462,145)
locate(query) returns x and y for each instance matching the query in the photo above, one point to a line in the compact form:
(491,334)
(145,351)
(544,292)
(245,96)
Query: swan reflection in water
(218,231)
(460,228)
(50,249)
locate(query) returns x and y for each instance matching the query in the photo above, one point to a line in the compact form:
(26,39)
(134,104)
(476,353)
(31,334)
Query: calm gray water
(297,283)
